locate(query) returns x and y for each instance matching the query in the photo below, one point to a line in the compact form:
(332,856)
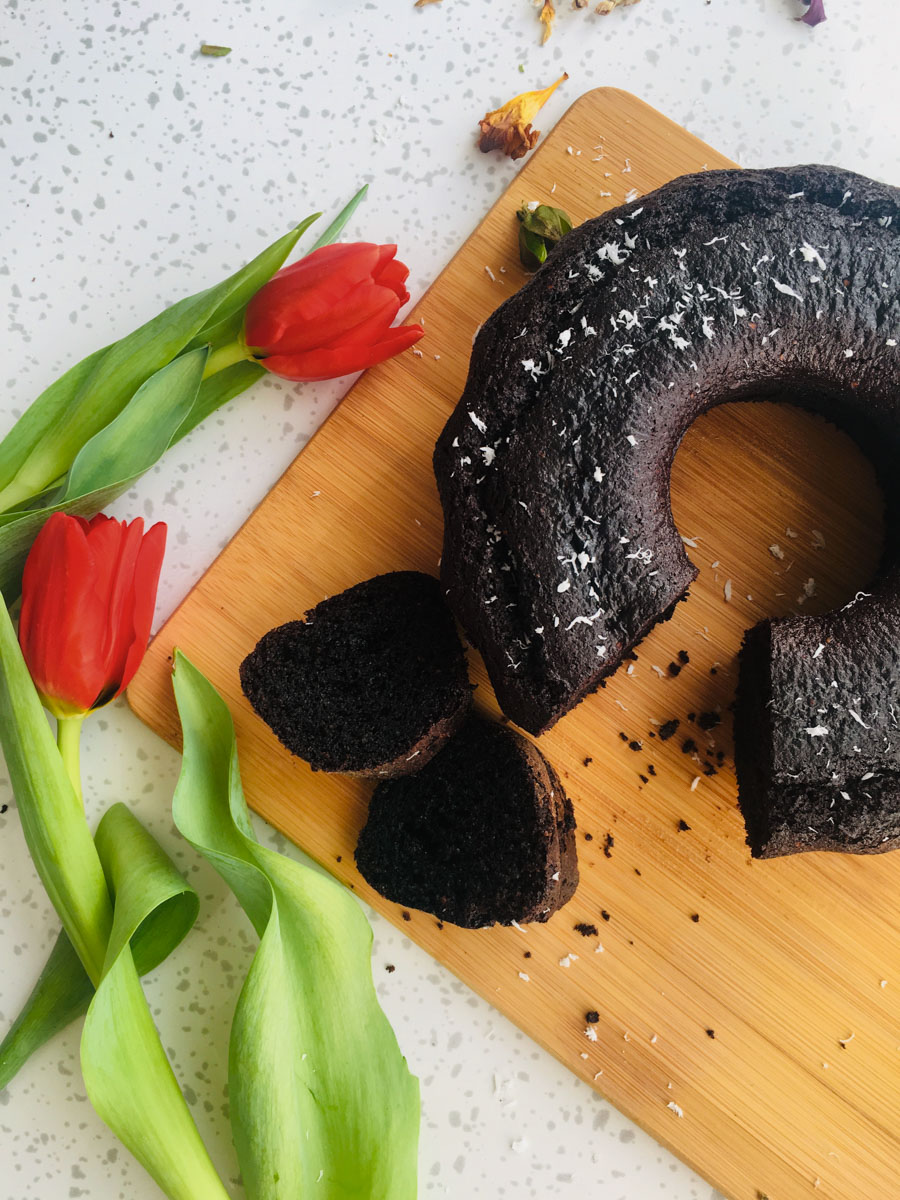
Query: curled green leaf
(165,909)
(127,1076)
(322,1102)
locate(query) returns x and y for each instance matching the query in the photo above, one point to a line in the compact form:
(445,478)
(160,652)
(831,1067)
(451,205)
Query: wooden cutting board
(749,1014)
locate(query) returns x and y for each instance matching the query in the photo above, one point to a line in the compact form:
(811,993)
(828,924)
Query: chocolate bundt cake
(482,835)
(373,682)
(560,551)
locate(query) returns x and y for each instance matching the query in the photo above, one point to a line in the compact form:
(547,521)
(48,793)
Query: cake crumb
(683,826)
(676,1108)
(592,1017)
(608,845)
(525,978)
(390,968)
(586,930)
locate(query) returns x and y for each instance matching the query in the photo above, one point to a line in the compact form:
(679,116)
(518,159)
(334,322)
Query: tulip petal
(329,363)
(367,333)
(118,600)
(307,289)
(394,275)
(104,538)
(367,302)
(61,623)
(146,581)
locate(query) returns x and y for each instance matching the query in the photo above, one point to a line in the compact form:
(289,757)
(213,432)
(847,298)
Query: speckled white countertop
(136,171)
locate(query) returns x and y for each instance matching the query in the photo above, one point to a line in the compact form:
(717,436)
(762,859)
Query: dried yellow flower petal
(606,6)
(509,128)
(547,16)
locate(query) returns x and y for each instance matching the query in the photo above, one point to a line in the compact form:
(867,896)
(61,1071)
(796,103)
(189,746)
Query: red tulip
(88,595)
(331,313)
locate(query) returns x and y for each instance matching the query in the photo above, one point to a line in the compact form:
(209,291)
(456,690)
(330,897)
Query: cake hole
(777,497)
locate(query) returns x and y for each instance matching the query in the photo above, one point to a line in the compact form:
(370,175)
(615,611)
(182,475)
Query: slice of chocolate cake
(372,682)
(483,835)
(790,732)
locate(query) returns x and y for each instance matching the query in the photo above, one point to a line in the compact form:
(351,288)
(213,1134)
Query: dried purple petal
(816,13)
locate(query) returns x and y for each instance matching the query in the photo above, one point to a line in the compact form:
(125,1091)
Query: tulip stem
(68,739)
(227,356)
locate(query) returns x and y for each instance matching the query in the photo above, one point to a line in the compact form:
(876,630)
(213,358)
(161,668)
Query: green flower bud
(540,228)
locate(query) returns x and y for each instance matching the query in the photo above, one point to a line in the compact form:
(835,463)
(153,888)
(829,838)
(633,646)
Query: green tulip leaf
(51,814)
(108,464)
(143,430)
(44,442)
(127,1076)
(243,292)
(322,1102)
(64,991)
(217,390)
(336,228)
(126,1072)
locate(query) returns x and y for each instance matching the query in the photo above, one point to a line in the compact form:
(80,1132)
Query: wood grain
(724,986)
